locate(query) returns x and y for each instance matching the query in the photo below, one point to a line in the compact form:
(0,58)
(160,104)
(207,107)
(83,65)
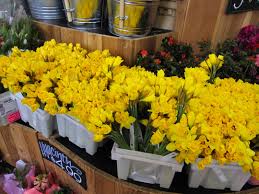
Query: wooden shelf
(124,47)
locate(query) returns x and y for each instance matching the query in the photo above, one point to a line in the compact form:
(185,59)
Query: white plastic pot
(76,133)
(145,167)
(40,120)
(217,176)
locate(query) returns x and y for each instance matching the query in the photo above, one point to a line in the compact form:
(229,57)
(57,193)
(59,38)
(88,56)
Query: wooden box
(124,47)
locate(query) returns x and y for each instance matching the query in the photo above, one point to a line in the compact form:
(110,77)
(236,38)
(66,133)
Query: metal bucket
(46,9)
(84,14)
(132,18)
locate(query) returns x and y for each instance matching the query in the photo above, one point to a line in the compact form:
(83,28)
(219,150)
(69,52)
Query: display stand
(21,142)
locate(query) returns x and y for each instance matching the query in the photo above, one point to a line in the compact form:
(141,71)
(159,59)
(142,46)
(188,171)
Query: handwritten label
(54,155)
(235,6)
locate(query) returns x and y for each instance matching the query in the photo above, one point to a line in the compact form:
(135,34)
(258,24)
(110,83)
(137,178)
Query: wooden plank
(21,144)
(11,145)
(255,18)
(181,16)
(3,146)
(33,149)
(103,183)
(200,21)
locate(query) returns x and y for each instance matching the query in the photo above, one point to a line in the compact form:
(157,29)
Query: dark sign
(54,155)
(235,6)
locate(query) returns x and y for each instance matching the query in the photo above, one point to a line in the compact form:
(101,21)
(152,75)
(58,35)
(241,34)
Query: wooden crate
(124,47)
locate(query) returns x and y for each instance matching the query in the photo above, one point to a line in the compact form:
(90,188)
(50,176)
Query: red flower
(157,61)
(170,41)
(257,45)
(183,56)
(163,53)
(144,53)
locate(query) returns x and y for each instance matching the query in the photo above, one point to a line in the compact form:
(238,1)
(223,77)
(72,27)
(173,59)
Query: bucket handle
(123,18)
(69,10)
(122,13)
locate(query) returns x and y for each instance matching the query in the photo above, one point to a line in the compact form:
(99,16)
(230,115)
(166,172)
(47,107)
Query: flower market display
(176,104)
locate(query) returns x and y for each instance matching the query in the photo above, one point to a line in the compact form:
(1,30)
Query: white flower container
(76,133)
(40,120)
(217,176)
(145,167)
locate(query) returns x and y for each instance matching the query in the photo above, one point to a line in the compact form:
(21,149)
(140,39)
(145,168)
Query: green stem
(180,112)
(213,75)
(148,134)
(161,150)
(119,139)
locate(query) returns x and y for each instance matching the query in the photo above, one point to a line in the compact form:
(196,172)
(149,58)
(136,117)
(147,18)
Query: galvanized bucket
(84,13)
(46,9)
(132,18)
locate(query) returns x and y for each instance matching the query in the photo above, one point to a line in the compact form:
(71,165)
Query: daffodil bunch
(226,120)
(50,77)
(212,64)
(177,131)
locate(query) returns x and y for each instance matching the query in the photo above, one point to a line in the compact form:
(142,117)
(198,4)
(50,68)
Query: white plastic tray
(76,133)
(218,176)
(40,120)
(145,167)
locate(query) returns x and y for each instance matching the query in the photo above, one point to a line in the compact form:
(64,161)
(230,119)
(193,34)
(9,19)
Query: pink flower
(248,37)
(170,41)
(257,60)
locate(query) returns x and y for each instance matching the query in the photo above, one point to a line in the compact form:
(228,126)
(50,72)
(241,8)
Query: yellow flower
(32,103)
(157,137)
(98,137)
(124,119)
(205,162)
(171,147)
(190,118)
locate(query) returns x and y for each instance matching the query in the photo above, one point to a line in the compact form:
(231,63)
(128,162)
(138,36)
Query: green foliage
(21,33)
(173,58)
(237,63)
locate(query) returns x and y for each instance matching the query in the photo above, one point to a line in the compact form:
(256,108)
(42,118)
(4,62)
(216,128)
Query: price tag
(55,156)
(8,108)
(235,6)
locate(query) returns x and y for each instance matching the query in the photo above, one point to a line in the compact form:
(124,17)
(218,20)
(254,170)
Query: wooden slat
(11,145)
(200,21)
(21,145)
(3,146)
(31,138)
(181,16)
(104,184)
